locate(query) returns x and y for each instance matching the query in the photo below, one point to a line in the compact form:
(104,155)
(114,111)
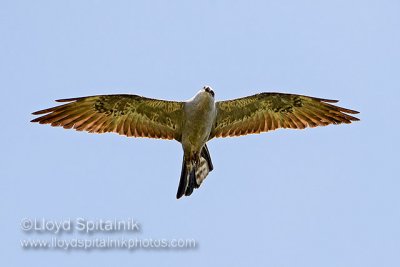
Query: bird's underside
(193,122)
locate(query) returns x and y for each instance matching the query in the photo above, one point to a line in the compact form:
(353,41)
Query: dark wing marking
(129,115)
(269,111)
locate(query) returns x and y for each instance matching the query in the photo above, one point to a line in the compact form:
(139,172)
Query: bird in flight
(193,122)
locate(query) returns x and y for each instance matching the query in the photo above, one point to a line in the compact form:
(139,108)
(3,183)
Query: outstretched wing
(269,111)
(129,115)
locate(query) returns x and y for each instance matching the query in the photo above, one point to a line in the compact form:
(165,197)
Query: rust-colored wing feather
(269,111)
(129,115)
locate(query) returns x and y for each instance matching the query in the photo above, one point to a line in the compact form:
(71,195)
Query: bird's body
(194,122)
(199,117)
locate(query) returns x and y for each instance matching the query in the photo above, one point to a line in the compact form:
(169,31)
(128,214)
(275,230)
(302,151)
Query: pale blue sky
(318,197)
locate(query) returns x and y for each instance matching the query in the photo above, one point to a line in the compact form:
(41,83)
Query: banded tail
(193,175)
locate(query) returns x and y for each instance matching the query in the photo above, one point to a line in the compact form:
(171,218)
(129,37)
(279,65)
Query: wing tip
(346,110)
(69,99)
(354,118)
(42,111)
(37,112)
(352,111)
(328,100)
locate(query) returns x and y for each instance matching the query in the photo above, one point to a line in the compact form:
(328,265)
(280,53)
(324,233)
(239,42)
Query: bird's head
(206,94)
(208,90)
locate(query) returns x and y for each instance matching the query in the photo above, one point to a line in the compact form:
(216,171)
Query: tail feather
(206,155)
(192,182)
(183,181)
(193,175)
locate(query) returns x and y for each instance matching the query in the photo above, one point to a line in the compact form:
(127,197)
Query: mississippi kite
(193,122)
